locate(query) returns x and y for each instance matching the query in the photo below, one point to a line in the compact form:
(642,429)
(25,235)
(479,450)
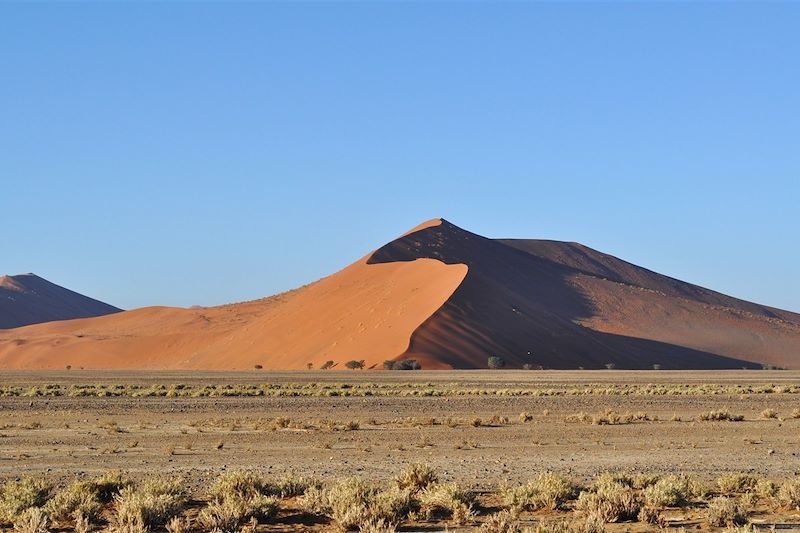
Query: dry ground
(411,417)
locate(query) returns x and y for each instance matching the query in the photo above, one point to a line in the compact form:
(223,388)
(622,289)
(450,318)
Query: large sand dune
(448,298)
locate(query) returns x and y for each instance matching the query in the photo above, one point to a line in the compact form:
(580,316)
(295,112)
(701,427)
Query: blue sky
(202,153)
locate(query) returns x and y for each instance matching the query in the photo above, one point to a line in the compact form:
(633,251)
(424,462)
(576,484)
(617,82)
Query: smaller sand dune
(28,299)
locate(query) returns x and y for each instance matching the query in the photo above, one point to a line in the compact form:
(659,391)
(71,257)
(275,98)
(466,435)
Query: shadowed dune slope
(563,305)
(28,299)
(449,298)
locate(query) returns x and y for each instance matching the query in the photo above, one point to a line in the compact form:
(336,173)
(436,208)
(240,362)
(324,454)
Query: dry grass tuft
(32,520)
(737,483)
(235,498)
(151,504)
(547,491)
(724,511)
(789,494)
(448,500)
(352,503)
(610,500)
(502,522)
(416,477)
(717,416)
(670,491)
(17,496)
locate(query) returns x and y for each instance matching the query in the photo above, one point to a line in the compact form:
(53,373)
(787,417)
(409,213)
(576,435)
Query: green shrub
(494,362)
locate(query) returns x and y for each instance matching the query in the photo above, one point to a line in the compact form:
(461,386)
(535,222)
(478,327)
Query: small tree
(388,364)
(611,366)
(495,362)
(258,367)
(309,365)
(353,365)
(326,365)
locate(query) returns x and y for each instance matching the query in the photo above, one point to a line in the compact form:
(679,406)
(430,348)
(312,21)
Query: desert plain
(482,430)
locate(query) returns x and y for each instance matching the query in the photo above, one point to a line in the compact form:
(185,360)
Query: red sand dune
(448,298)
(28,299)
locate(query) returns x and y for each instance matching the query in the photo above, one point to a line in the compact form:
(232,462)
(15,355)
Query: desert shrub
(178,524)
(448,499)
(150,504)
(669,491)
(716,416)
(593,522)
(240,483)
(525,417)
(495,362)
(502,522)
(736,483)
(79,499)
(291,485)
(236,497)
(227,515)
(352,503)
(32,520)
(416,477)
(18,495)
(403,364)
(327,364)
(377,526)
(723,511)
(547,491)
(769,413)
(642,481)
(610,500)
(795,413)
(651,515)
(353,365)
(766,489)
(789,494)
(83,500)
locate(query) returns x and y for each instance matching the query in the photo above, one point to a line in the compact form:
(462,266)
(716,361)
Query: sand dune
(449,298)
(28,299)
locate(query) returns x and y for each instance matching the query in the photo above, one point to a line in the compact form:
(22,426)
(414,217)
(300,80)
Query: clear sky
(202,153)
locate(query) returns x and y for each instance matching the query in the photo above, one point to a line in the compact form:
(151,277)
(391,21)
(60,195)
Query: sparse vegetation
(547,491)
(737,483)
(720,416)
(494,362)
(17,496)
(416,477)
(355,365)
(612,499)
(724,511)
(150,504)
